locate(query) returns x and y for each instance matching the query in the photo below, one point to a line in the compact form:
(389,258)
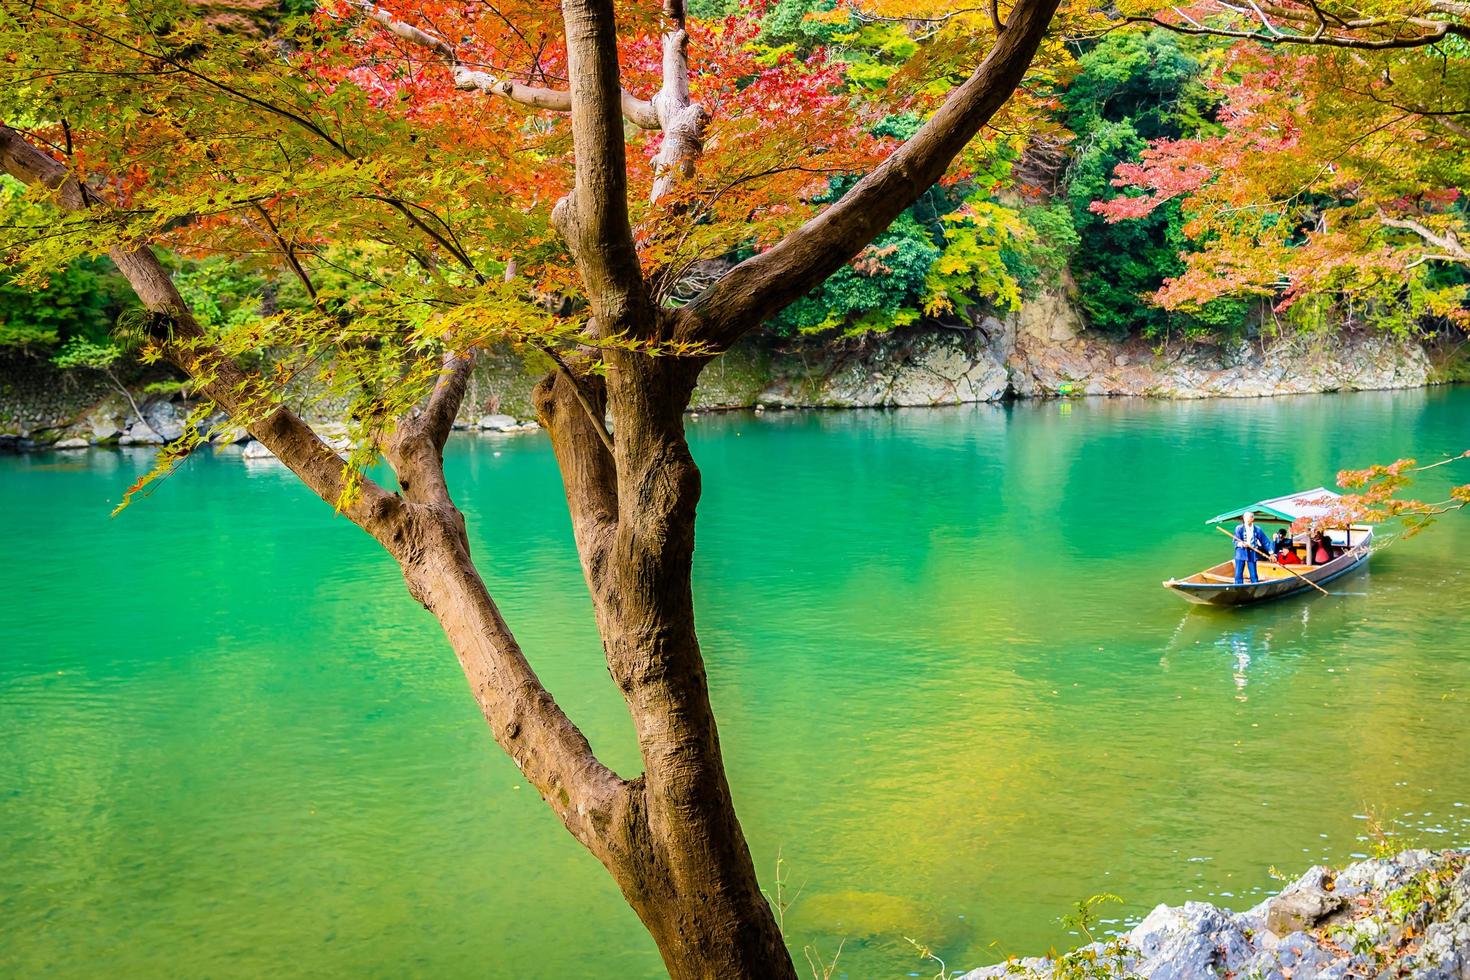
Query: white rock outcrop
(1401,917)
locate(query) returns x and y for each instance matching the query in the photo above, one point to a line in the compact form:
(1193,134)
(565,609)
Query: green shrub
(82,300)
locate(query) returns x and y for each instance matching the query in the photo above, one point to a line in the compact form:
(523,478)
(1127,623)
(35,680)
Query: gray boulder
(164,418)
(76,442)
(1381,874)
(257,450)
(139,434)
(1296,955)
(107,420)
(1021,969)
(1306,902)
(104,431)
(1445,952)
(161,412)
(498,423)
(1357,928)
(1194,942)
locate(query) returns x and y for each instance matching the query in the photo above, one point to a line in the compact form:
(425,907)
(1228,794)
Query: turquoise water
(953,696)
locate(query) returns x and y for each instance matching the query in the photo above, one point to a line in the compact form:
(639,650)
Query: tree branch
(593,218)
(288,251)
(186,347)
(638,111)
(593,417)
(763,284)
(1314,26)
(571,411)
(546,745)
(682,121)
(1447,241)
(448,396)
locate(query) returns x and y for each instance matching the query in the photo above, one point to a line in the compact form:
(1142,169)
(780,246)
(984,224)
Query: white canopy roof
(1309,504)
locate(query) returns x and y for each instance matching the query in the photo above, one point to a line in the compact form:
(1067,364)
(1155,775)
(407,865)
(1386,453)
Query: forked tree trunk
(669,837)
(681,861)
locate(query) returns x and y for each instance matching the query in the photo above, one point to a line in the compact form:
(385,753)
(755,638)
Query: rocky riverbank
(1406,916)
(998,360)
(1042,352)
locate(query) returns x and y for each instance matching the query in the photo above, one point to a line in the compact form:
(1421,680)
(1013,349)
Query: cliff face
(1041,352)
(1050,355)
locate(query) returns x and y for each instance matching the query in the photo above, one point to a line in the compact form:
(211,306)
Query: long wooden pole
(1258,551)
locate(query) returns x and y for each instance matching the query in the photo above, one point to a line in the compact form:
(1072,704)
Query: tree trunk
(681,861)
(704,908)
(708,919)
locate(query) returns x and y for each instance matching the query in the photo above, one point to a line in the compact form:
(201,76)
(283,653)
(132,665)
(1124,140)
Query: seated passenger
(1321,548)
(1282,542)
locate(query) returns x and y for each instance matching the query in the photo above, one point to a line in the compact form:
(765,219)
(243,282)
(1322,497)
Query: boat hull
(1248,593)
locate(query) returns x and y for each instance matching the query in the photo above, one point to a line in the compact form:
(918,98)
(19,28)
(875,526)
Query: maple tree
(1336,166)
(622,192)
(441,176)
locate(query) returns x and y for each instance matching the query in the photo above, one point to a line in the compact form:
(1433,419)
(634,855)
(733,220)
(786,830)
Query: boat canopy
(1294,506)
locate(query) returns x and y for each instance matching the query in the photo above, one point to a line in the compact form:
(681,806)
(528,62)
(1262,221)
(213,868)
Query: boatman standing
(1248,536)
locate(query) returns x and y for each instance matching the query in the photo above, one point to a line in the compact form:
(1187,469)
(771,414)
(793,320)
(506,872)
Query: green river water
(953,697)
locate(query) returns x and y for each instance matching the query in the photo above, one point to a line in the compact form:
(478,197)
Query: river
(954,699)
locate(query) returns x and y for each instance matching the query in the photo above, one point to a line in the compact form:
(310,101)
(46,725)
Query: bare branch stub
(639,112)
(683,122)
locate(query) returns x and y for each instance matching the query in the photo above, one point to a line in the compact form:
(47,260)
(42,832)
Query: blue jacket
(1257,538)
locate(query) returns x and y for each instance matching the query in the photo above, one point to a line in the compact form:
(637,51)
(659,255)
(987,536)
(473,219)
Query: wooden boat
(1352,544)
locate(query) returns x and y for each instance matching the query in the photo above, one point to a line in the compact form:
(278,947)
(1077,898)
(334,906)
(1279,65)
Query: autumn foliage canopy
(396,167)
